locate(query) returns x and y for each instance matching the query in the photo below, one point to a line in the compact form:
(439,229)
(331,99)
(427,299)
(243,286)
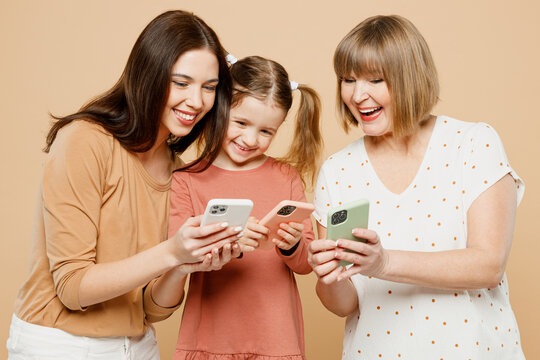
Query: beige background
(55,55)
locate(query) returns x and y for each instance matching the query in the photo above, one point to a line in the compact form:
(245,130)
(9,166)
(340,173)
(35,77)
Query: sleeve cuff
(290,251)
(155,312)
(69,292)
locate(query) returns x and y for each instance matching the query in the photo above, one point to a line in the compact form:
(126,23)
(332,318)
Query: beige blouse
(96,204)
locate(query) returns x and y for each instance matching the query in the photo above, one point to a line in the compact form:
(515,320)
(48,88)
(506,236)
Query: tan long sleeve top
(96,204)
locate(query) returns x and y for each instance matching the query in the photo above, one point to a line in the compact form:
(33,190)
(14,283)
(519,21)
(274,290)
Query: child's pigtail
(306,145)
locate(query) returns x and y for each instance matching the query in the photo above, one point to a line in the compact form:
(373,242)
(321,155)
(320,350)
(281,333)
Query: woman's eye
(210,87)
(180,83)
(267,132)
(348,80)
(240,123)
(377,81)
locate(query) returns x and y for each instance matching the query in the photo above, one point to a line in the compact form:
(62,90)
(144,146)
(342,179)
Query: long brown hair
(131,110)
(265,79)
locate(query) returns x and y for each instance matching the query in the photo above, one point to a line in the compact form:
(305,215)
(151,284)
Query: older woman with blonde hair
(429,280)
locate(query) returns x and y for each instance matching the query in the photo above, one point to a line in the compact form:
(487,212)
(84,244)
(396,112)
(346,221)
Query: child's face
(192,91)
(252,126)
(369,101)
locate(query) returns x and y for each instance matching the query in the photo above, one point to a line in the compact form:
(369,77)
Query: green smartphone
(343,219)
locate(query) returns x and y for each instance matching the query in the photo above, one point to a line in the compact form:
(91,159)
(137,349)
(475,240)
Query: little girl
(251,307)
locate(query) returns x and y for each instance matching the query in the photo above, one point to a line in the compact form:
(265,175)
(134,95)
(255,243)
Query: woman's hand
(321,258)
(370,259)
(252,235)
(339,297)
(290,234)
(192,241)
(168,290)
(214,260)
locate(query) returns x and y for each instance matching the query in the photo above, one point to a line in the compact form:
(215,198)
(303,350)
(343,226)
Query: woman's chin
(375,131)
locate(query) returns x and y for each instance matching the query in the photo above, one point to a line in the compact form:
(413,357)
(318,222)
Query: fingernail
(240,234)
(228,246)
(224,224)
(216,251)
(238,228)
(336,254)
(337,243)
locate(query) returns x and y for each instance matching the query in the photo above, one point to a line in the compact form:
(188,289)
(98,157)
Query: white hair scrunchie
(231,59)
(294,85)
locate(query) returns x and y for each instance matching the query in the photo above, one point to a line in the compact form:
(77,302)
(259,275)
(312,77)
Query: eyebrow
(190,78)
(239,117)
(242,118)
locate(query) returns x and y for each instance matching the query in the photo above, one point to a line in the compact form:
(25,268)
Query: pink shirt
(251,307)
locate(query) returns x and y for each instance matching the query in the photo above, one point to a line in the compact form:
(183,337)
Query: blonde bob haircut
(391,48)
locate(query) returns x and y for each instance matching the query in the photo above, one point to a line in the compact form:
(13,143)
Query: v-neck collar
(419,172)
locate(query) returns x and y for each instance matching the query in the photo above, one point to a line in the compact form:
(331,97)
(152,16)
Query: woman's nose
(194,99)
(360,92)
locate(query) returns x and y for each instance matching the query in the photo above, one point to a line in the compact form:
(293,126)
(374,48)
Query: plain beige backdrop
(56,55)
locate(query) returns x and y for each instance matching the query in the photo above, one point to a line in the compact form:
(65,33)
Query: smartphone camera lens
(213,211)
(286,210)
(339,217)
(222,209)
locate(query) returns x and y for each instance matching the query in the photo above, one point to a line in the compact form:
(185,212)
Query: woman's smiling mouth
(186,118)
(370,114)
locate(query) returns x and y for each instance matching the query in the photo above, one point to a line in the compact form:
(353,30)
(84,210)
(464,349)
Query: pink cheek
(265,146)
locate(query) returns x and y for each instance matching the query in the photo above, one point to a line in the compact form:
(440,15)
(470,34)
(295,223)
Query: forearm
(468,268)
(168,290)
(490,227)
(338,297)
(106,281)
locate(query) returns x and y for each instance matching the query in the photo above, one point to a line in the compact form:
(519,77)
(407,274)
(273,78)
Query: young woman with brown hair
(100,236)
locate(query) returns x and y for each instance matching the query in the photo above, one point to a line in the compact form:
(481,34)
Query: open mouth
(370,114)
(183,117)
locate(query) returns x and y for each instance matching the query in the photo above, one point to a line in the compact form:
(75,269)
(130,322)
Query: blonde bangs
(353,58)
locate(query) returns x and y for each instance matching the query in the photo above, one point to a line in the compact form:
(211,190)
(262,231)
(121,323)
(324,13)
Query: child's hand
(251,236)
(290,233)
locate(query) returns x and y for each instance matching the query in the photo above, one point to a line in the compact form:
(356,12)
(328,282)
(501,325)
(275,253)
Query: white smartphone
(284,212)
(234,211)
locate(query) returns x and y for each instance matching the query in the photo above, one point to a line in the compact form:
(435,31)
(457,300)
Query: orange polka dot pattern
(406,321)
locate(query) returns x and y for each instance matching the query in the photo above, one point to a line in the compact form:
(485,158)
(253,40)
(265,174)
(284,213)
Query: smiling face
(252,126)
(194,78)
(369,101)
